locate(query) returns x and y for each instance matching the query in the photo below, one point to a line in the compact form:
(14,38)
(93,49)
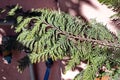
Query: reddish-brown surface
(9,71)
(28,4)
(55,73)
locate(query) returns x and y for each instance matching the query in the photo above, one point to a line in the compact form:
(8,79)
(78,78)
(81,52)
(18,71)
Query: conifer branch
(75,38)
(49,34)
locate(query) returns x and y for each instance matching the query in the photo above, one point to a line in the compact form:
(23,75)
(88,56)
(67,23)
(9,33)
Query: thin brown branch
(75,38)
(100,42)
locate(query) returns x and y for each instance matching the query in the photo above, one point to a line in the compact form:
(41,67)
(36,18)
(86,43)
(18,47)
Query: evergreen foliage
(114,4)
(49,34)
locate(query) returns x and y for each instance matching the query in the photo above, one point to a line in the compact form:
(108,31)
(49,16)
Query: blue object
(49,64)
(47,74)
(8,58)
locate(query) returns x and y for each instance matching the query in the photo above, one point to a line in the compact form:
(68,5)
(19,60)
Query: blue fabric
(47,74)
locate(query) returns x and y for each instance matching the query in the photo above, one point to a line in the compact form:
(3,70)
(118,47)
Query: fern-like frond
(49,34)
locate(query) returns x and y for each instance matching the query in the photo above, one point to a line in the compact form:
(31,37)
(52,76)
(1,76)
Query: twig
(75,38)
